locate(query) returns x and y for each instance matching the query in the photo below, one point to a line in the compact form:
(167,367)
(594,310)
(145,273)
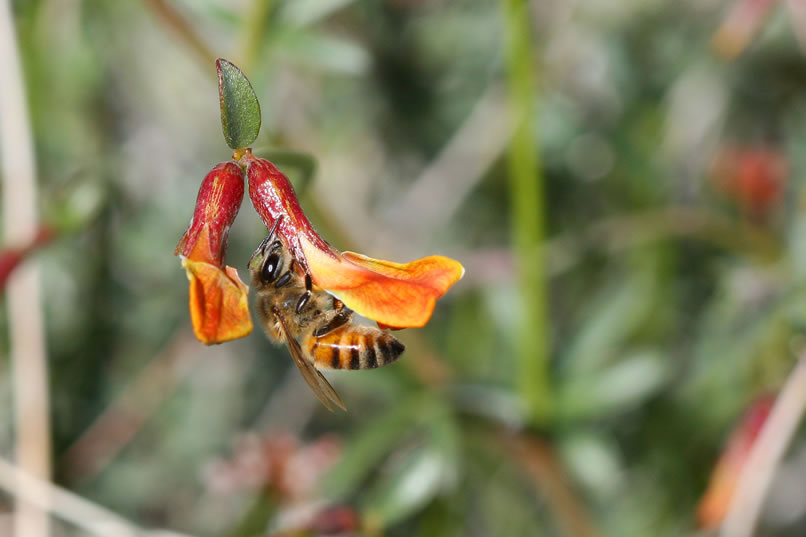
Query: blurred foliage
(673,301)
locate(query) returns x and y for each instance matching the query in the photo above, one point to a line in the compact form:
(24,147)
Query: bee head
(267,261)
(268,246)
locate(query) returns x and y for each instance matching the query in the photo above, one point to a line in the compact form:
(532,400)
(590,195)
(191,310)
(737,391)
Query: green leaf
(614,388)
(240,110)
(410,485)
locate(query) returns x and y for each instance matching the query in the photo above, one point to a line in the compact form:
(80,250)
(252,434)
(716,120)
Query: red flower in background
(395,295)
(219,309)
(754,177)
(278,462)
(715,502)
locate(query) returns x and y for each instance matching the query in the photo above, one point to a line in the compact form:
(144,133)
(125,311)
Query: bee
(317,328)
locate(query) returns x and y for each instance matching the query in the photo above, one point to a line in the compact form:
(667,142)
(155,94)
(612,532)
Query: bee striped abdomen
(353,347)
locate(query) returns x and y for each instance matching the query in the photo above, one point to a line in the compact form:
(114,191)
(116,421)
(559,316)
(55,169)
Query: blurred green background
(636,273)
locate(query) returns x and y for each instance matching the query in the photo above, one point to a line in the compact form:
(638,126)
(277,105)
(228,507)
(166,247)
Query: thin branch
(26,331)
(768,450)
(449,179)
(546,471)
(619,233)
(167,14)
(70,507)
(254,28)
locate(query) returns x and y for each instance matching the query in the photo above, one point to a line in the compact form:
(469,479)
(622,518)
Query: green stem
(526,192)
(254,30)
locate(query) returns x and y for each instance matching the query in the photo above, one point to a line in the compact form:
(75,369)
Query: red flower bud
(219,310)
(273,197)
(753,177)
(217,205)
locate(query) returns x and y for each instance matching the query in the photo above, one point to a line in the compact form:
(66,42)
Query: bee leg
(303,300)
(338,305)
(283,280)
(306,296)
(340,319)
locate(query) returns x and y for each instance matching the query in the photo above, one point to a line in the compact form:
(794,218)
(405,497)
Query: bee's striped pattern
(353,347)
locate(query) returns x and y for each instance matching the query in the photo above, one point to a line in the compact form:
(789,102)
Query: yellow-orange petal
(396,295)
(219,309)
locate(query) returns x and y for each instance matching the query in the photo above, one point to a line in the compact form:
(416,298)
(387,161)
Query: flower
(219,309)
(754,177)
(725,478)
(279,462)
(395,295)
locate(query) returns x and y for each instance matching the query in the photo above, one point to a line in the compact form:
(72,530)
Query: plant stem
(543,466)
(26,332)
(526,193)
(254,29)
(94,519)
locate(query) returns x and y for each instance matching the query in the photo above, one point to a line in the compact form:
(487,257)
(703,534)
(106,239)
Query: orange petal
(396,295)
(219,309)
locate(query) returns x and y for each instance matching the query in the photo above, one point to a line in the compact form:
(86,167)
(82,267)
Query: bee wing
(317,382)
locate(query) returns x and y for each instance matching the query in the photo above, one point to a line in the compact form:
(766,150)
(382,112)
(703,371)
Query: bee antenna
(262,246)
(274,228)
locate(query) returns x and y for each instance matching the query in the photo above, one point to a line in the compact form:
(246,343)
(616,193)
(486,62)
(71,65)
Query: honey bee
(317,327)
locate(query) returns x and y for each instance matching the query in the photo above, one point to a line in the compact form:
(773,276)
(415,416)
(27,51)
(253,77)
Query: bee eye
(271,268)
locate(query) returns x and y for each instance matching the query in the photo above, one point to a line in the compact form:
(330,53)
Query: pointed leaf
(240,110)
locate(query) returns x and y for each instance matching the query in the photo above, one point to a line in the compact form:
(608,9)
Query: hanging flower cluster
(394,295)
